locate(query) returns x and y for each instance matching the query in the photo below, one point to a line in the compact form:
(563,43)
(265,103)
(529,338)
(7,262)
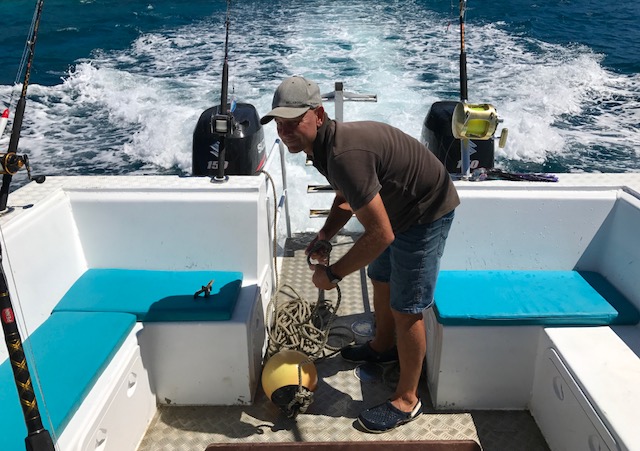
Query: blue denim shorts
(411,265)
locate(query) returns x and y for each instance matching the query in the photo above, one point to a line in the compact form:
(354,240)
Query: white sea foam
(134,110)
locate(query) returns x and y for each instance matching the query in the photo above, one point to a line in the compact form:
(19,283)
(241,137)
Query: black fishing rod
(463,54)
(465,162)
(223,121)
(38,438)
(10,162)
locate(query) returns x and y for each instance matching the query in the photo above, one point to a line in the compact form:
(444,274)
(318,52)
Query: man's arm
(377,236)
(339,215)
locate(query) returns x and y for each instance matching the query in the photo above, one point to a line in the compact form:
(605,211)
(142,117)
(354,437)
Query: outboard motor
(437,135)
(245,152)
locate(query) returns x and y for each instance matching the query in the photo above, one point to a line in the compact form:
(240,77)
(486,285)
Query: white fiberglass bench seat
(121,239)
(484,330)
(482,348)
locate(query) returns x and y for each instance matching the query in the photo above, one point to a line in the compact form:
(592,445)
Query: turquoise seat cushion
(530,297)
(155,295)
(71,350)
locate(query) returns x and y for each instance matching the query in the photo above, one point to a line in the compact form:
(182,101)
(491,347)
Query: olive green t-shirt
(362,159)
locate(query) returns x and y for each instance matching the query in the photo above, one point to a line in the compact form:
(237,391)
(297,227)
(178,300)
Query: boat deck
(344,390)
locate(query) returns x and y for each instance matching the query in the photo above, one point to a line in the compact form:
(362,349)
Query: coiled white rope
(298,325)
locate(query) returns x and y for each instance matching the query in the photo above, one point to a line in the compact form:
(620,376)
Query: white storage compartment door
(565,416)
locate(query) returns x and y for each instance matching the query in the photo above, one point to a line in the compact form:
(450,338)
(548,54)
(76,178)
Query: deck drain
(364,328)
(369,372)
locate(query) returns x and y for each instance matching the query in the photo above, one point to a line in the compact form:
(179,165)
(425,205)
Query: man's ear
(319,112)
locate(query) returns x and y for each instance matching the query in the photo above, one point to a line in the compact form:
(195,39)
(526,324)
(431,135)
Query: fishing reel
(477,121)
(222,124)
(11,163)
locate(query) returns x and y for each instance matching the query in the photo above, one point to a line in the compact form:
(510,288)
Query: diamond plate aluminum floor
(344,390)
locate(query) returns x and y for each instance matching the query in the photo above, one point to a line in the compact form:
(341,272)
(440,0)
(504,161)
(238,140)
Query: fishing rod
(10,162)
(463,54)
(465,151)
(38,438)
(471,121)
(223,121)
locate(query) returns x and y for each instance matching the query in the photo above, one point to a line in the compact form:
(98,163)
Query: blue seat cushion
(155,295)
(530,297)
(71,350)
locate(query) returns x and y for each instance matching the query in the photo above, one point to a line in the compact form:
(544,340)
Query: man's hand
(316,252)
(320,278)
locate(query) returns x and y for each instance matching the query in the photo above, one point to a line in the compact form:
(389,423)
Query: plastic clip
(206,289)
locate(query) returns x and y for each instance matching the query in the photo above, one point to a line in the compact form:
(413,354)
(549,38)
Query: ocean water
(117,86)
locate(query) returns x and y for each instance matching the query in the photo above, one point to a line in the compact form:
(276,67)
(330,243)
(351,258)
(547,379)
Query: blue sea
(117,86)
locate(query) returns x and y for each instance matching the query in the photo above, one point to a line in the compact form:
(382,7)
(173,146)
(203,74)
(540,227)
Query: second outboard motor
(438,137)
(245,147)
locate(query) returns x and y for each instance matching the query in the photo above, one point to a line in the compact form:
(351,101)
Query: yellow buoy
(281,380)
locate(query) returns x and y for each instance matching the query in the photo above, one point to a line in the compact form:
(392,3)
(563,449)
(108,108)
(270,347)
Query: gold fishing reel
(476,121)
(11,163)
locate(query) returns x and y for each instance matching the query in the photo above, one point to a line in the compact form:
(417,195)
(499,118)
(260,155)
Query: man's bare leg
(384,338)
(412,346)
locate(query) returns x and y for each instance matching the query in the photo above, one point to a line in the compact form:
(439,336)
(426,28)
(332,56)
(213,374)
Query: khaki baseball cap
(294,97)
